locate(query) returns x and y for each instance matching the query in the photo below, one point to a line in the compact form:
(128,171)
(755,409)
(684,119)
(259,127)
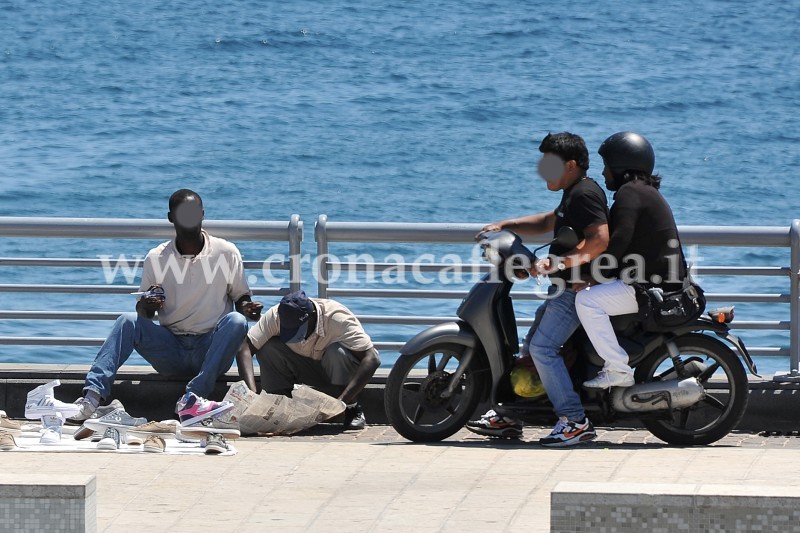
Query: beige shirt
(199,289)
(335,323)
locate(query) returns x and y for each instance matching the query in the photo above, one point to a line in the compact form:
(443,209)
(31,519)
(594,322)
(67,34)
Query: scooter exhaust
(657,396)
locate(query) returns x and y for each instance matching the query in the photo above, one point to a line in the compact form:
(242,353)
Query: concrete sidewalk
(375,481)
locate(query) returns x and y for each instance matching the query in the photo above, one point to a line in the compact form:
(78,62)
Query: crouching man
(314,342)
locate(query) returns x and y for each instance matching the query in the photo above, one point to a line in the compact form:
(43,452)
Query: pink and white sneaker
(192,408)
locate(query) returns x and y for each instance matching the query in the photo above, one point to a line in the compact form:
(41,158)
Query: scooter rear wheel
(413,399)
(725,383)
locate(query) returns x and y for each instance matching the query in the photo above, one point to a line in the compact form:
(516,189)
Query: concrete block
(53,503)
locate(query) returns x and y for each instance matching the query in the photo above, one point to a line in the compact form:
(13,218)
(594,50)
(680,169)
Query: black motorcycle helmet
(627,152)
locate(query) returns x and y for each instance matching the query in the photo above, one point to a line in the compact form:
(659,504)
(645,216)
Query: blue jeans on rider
(206,356)
(555,322)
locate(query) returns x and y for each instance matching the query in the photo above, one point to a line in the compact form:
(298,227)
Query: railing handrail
(141,228)
(327,232)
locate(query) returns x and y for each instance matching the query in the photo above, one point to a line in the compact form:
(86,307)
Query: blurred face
(188,215)
(555,171)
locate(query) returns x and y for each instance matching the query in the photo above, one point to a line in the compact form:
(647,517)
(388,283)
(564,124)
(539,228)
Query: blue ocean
(391,111)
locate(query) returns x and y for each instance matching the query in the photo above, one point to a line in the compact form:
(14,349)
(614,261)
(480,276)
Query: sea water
(392,111)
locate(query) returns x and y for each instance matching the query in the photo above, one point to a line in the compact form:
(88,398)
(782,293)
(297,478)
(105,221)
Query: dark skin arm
(369,364)
(249,308)
(147,307)
(244,362)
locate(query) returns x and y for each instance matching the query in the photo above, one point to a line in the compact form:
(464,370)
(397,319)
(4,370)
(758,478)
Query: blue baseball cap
(293,313)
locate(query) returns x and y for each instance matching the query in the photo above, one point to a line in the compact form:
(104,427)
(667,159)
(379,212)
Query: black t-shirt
(583,204)
(642,224)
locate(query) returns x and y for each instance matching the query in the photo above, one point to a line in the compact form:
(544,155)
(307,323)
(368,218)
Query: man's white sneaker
(606,379)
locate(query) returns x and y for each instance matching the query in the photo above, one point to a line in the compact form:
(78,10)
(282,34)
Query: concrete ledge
(49,503)
(635,507)
(772,407)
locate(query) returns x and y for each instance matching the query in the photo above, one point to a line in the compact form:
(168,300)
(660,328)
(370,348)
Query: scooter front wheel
(414,399)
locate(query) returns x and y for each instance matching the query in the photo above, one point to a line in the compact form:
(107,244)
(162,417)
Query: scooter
(690,387)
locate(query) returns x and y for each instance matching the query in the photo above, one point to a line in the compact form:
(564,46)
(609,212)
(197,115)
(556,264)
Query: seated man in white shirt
(198,330)
(313,341)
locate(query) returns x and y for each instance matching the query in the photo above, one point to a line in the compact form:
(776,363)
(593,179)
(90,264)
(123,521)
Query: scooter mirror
(566,238)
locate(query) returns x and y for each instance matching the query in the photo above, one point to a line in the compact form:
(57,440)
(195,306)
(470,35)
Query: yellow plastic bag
(526,383)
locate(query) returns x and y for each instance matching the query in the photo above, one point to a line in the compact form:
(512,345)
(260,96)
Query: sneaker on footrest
(493,425)
(606,379)
(192,408)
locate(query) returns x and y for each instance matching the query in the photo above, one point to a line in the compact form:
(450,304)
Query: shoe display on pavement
(7,442)
(566,433)
(215,444)
(191,408)
(117,419)
(493,425)
(606,379)
(110,440)
(354,417)
(84,432)
(154,444)
(210,425)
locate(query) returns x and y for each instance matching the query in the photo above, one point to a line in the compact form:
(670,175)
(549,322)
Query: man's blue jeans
(556,320)
(206,356)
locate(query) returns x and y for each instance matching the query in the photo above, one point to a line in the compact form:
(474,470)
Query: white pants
(594,306)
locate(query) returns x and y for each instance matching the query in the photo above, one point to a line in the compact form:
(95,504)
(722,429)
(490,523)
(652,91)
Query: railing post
(295,239)
(794,307)
(321,236)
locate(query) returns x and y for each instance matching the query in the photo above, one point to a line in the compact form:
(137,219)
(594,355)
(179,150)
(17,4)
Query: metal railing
(290,232)
(327,232)
(360,233)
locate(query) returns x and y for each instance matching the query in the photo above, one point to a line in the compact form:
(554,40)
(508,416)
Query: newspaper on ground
(276,414)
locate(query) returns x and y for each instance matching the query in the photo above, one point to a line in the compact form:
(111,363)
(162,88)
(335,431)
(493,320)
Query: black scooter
(691,388)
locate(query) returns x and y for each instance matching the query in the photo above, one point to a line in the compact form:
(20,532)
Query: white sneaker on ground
(606,379)
(51,432)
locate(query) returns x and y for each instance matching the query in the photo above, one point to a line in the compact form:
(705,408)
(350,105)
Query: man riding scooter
(583,207)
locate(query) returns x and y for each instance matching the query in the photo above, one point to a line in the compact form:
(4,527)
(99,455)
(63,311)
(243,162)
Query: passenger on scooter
(644,246)
(583,206)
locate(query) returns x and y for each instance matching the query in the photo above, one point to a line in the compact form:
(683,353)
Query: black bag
(663,311)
